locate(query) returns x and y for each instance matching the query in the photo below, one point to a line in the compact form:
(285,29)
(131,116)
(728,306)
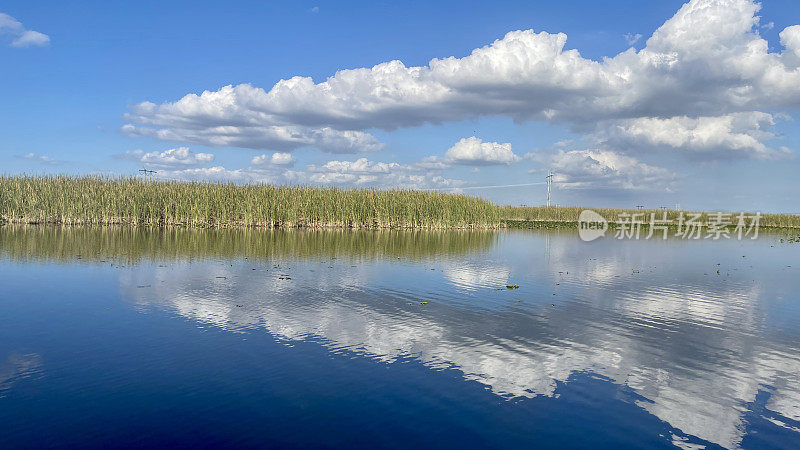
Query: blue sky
(701,115)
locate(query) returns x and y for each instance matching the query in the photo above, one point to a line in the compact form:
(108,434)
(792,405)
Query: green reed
(90,200)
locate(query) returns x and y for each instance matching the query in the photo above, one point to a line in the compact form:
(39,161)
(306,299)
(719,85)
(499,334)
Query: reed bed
(91,200)
(88,200)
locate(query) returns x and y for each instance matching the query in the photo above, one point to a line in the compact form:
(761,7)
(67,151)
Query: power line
(147,172)
(495,186)
(483,187)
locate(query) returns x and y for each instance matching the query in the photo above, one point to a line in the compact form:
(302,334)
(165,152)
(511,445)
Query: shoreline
(550,224)
(119,201)
(505,224)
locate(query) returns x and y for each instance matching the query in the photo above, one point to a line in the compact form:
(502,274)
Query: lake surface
(137,338)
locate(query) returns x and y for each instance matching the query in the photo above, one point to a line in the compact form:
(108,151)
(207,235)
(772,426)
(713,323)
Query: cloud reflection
(695,352)
(17,366)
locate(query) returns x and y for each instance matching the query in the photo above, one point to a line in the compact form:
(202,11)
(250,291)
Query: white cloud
(219,174)
(790,39)
(362,173)
(225,118)
(11,25)
(276,159)
(732,135)
(39,158)
(470,151)
(473,151)
(433,163)
(21,37)
(632,38)
(31,38)
(706,61)
(180,157)
(603,169)
(362,165)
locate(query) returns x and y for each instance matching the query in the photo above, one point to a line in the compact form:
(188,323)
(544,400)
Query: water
(131,338)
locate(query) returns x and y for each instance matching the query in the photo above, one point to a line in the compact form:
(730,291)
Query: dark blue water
(357,339)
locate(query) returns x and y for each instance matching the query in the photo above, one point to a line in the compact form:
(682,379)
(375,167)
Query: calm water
(321,339)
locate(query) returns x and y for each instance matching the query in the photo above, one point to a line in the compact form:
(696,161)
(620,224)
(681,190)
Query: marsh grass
(128,201)
(89,200)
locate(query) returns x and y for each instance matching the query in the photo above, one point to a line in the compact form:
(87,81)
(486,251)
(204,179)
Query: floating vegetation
(512,286)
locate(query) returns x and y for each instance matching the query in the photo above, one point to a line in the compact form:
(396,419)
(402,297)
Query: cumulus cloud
(362,173)
(358,172)
(226,118)
(728,136)
(790,39)
(21,36)
(220,174)
(708,60)
(470,151)
(433,163)
(473,151)
(182,164)
(603,169)
(180,157)
(275,159)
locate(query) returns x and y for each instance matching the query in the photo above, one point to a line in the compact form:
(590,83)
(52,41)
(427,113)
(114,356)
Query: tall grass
(128,201)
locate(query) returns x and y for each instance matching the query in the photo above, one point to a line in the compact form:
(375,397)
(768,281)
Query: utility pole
(549,179)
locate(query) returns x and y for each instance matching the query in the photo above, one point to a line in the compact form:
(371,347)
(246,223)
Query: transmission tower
(549,179)
(148,174)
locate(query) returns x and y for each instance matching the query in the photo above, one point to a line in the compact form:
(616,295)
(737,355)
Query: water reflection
(696,345)
(693,350)
(472,277)
(17,366)
(134,245)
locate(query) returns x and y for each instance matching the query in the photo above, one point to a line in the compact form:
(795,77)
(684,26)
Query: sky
(628,103)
